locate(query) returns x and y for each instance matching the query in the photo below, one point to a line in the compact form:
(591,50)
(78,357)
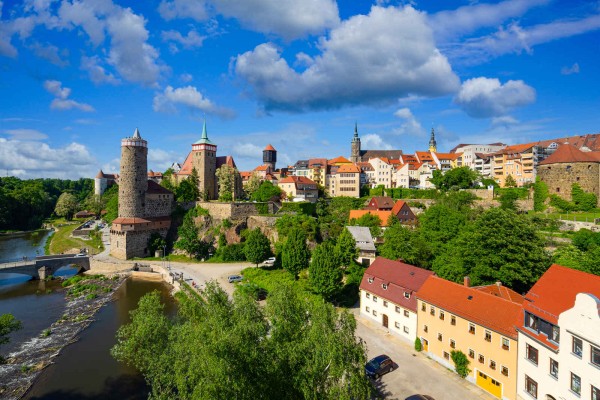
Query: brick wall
(561,176)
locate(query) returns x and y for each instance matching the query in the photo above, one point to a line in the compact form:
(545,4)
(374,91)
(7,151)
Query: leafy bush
(304,207)
(418,345)
(232,252)
(583,201)
(540,194)
(461,363)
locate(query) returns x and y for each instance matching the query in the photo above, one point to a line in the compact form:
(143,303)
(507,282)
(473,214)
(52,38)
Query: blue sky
(77,76)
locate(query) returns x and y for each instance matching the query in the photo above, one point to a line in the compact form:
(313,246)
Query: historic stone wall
(126,245)
(561,176)
(232,211)
(158,205)
(266,225)
(133,181)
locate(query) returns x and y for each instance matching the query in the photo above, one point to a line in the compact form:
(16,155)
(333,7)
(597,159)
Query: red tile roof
(100,174)
(313,161)
(348,169)
(380,203)
(221,160)
(339,160)
(398,206)
(130,221)
(555,291)
(383,215)
(155,188)
(263,167)
(447,156)
(497,289)
(399,278)
(423,156)
(270,148)
(297,179)
(477,306)
(566,153)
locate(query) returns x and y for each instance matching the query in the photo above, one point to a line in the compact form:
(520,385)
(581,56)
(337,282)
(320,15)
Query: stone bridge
(44,266)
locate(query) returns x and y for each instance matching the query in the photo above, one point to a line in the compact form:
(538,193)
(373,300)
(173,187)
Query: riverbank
(24,365)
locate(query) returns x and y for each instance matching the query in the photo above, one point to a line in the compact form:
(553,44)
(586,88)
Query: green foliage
(461,362)
(94,204)
(540,194)
(8,324)
(584,239)
(583,201)
(252,185)
(156,242)
(373,222)
(333,215)
(261,208)
(573,257)
(560,203)
(418,345)
(223,348)
(401,243)
(111,201)
(266,192)
(345,248)
(188,236)
(325,275)
(188,189)
(232,252)
(510,182)
(379,190)
(295,254)
(286,223)
(441,223)
(508,199)
(498,246)
(459,178)
(300,207)
(257,247)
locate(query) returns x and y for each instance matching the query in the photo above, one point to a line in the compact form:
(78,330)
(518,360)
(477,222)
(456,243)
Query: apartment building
(299,188)
(480,322)
(387,295)
(382,172)
(518,161)
(468,152)
(559,337)
(343,180)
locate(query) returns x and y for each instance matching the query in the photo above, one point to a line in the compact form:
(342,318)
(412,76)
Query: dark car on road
(378,366)
(234,278)
(420,397)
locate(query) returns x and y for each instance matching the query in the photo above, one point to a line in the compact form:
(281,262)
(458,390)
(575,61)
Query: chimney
(498,283)
(467,281)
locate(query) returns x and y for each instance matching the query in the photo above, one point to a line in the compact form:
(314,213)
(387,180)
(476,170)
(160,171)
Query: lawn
(61,241)
(579,216)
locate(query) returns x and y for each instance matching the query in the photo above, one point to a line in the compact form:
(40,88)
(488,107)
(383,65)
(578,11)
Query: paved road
(202,273)
(415,373)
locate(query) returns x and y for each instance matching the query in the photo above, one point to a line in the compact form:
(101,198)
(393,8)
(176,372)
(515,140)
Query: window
(406,314)
(531,386)
(384,286)
(370,280)
(505,343)
(504,370)
(577,347)
(406,295)
(472,329)
(367,309)
(481,359)
(452,344)
(440,337)
(575,383)
(375,299)
(446,355)
(423,307)
(441,315)
(595,393)
(432,311)
(397,325)
(595,356)
(554,368)
(368,295)
(405,329)
(488,336)
(397,309)
(425,329)
(385,303)
(492,364)
(452,320)
(471,353)
(531,353)
(375,312)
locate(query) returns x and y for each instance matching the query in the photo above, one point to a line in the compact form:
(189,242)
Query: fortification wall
(232,211)
(158,205)
(560,178)
(126,245)
(266,225)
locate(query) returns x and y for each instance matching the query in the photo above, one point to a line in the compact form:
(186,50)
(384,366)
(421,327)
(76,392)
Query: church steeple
(355,146)
(432,142)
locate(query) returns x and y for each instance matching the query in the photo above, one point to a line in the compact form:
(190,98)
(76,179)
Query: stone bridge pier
(43,267)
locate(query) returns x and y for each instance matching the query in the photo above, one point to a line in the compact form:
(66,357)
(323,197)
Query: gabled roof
(477,306)
(424,156)
(380,203)
(317,161)
(398,206)
(263,167)
(363,238)
(398,277)
(339,160)
(383,215)
(348,169)
(516,148)
(155,188)
(221,160)
(555,291)
(391,154)
(298,179)
(566,153)
(447,156)
(100,175)
(498,290)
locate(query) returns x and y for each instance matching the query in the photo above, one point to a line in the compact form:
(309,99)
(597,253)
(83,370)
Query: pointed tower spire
(204,138)
(136,134)
(355,129)
(432,142)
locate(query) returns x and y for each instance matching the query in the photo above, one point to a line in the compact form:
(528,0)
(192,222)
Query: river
(84,369)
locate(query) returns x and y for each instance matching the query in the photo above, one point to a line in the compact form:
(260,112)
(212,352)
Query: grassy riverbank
(62,241)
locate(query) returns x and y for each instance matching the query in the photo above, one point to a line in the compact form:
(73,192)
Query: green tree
(418,344)
(266,192)
(156,242)
(583,201)
(510,181)
(226,178)
(499,245)
(258,247)
(325,275)
(401,243)
(188,189)
(540,194)
(221,348)
(295,254)
(459,178)
(373,222)
(287,222)
(508,199)
(8,324)
(345,248)
(95,204)
(461,363)
(66,206)
(252,185)
(188,233)
(440,223)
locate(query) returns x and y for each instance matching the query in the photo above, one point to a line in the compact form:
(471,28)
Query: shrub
(418,345)
(461,363)
(233,252)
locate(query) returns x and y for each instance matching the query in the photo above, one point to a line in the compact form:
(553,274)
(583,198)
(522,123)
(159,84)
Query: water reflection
(7,280)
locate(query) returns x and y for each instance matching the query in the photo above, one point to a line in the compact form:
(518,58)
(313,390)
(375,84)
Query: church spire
(204,138)
(432,142)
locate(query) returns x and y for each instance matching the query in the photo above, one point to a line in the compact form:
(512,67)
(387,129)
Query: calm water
(19,245)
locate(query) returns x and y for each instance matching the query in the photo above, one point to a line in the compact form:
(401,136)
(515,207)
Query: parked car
(269,261)
(234,278)
(378,366)
(419,397)
(81,255)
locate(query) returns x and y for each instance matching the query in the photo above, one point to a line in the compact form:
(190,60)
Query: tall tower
(133,179)
(432,142)
(355,151)
(205,162)
(270,157)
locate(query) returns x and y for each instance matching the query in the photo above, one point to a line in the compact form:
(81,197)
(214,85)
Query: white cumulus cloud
(61,101)
(25,134)
(191,40)
(487,97)
(375,142)
(189,96)
(97,72)
(368,59)
(410,125)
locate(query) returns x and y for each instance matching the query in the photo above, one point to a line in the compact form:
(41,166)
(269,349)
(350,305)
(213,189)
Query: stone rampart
(266,225)
(561,176)
(158,205)
(233,211)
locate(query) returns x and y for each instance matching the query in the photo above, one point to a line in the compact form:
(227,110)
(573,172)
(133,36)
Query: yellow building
(518,161)
(478,321)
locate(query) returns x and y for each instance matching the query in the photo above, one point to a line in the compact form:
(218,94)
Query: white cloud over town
(487,97)
(61,101)
(369,59)
(188,96)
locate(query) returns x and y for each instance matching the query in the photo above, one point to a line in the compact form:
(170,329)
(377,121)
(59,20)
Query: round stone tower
(133,179)
(270,157)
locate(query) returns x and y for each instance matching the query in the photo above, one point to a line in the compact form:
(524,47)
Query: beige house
(299,188)
(343,180)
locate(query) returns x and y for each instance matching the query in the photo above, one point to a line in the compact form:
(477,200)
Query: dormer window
(384,286)
(406,295)
(370,280)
